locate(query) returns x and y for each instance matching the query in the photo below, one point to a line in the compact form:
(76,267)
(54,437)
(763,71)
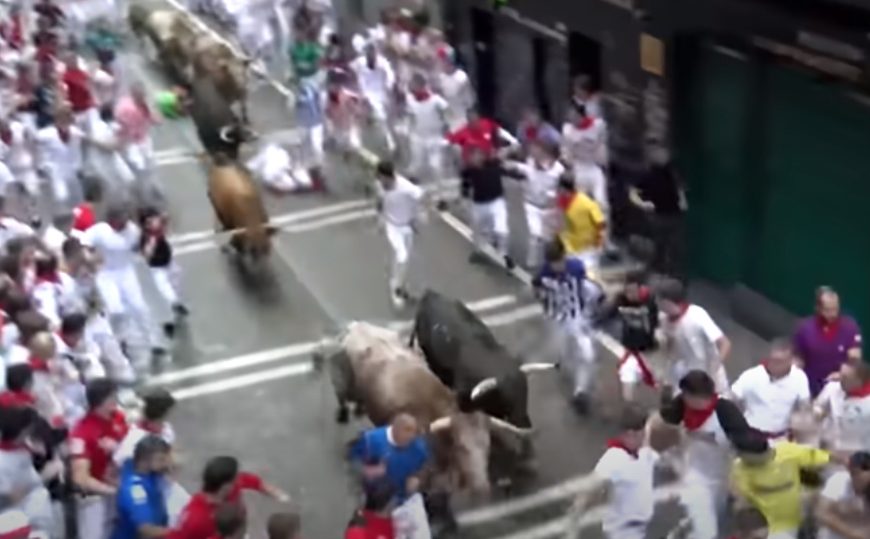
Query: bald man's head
(404,428)
(42,345)
(827,303)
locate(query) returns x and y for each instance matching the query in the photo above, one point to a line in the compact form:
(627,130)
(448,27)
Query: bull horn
(487,384)
(504,425)
(534,367)
(442,423)
(224,134)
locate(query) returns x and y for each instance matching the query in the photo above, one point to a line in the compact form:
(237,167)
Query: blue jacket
(374,447)
(140,501)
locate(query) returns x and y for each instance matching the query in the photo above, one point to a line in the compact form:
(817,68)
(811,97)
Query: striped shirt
(568,295)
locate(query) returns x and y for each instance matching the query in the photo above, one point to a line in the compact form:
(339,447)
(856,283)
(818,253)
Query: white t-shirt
(63,156)
(18,153)
(117,248)
(838,489)
(374,83)
(708,454)
(539,189)
(585,145)
(135,434)
(427,116)
(693,337)
(768,404)
(848,418)
(456,89)
(401,204)
(631,486)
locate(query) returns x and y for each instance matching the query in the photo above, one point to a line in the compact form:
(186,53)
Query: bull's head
(462,443)
(507,397)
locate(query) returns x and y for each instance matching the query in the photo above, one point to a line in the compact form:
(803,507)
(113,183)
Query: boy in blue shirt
(571,302)
(141,505)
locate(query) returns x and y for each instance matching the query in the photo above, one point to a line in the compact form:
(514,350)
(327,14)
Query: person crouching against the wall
(166,274)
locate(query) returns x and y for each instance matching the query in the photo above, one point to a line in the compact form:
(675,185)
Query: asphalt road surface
(241,364)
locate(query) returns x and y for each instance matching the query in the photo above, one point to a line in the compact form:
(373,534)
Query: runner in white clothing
(426,132)
(376,82)
(583,140)
(843,511)
(116,243)
(17,151)
(692,339)
(60,156)
(845,405)
(624,478)
(771,392)
(454,85)
(400,207)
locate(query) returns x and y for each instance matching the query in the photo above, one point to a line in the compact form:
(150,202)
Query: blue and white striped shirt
(568,295)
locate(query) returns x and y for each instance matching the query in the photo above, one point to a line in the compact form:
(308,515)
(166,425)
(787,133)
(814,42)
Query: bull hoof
(342,415)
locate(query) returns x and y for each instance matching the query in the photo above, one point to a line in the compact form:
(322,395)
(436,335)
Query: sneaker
(441,205)
(509,262)
(169,330)
(580,402)
(180,309)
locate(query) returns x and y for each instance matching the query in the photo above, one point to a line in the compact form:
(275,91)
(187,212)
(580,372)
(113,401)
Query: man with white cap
(376,80)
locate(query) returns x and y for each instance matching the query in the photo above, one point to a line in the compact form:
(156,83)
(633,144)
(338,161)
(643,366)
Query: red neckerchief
(531,133)
(14,399)
(421,95)
(151,427)
(63,133)
(118,227)
(863,391)
(53,277)
(564,200)
(586,122)
(38,364)
(64,338)
(643,294)
(683,308)
(12,446)
(646,373)
(619,444)
(829,329)
(693,419)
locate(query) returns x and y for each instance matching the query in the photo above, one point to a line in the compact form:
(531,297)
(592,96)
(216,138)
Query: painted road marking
(294,350)
(307,226)
(245,380)
(558,527)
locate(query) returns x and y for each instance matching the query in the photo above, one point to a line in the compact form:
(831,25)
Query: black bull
(219,129)
(465,355)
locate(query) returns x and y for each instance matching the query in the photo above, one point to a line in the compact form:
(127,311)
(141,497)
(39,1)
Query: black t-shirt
(661,186)
(161,256)
(639,321)
(483,183)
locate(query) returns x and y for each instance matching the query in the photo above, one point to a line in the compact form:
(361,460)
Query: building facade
(764,102)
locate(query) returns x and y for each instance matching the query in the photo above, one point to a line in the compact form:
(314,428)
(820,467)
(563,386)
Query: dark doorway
(584,57)
(540,56)
(483,35)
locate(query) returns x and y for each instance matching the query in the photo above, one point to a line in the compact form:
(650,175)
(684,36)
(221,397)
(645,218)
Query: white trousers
(140,155)
(426,159)
(38,508)
(590,179)
(490,224)
(124,302)
(540,225)
(410,519)
(401,240)
(27,177)
(577,351)
(167,281)
(117,365)
(705,504)
(94,516)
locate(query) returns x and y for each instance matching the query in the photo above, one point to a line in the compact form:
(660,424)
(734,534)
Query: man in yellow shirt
(768,478)
(583,228)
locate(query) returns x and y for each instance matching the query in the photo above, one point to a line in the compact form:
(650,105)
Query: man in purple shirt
(825,341)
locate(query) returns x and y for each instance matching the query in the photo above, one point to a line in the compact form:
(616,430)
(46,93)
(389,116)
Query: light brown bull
(239,207)
(371,367)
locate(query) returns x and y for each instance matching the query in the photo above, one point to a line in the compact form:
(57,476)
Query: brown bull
(239,207)
(371,367)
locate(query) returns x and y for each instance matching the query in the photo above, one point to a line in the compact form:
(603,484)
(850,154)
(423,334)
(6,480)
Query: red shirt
(16,399)
(373,526)
(482,134)
(77,89)
(197,519)
(95,438)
